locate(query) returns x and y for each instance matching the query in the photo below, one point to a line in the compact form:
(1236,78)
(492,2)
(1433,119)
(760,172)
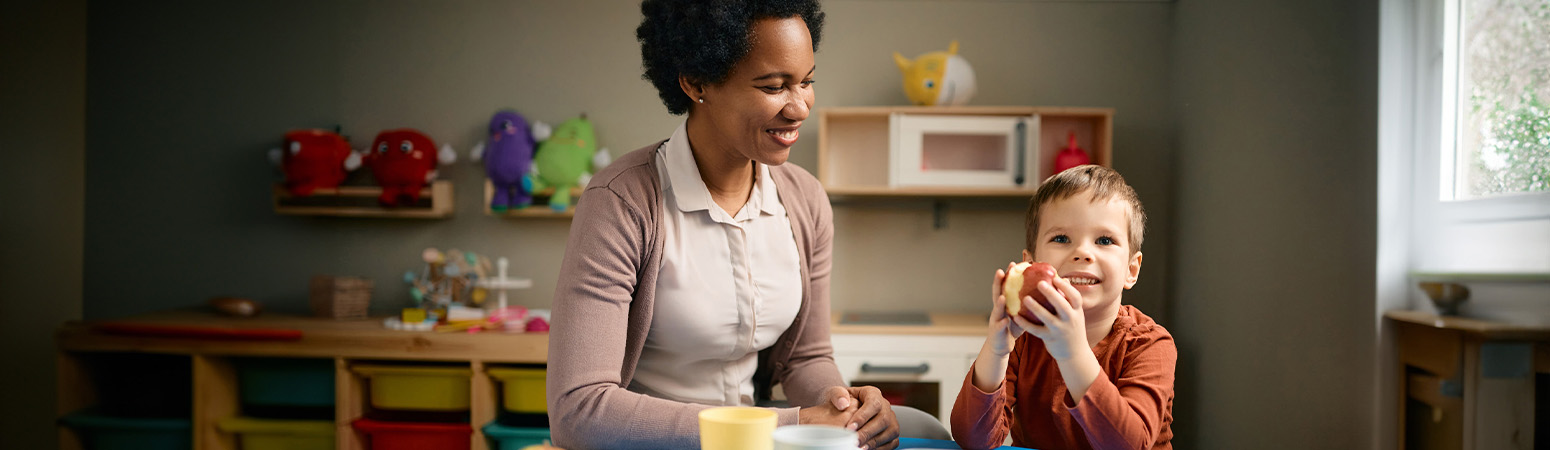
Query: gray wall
(187,96)
(43,121)
(183,211)
(1246,126)
(1276,218)
(1023,53)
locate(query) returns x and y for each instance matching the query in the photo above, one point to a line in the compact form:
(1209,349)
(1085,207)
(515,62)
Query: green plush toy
(565,160)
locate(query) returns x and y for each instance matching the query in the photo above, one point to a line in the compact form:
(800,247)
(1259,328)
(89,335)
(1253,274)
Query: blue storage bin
(99,432)
(502,437)
(286,381)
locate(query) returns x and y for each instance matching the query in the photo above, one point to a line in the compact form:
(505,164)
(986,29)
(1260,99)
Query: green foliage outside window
(1507,129)
(1516,156)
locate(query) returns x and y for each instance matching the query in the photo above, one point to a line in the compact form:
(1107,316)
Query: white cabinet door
(924,383)
(908,368)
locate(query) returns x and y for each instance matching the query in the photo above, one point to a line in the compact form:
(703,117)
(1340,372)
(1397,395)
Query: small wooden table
(343,341)
(1467,383)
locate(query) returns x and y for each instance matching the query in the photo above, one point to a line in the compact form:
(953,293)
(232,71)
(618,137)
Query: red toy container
(415,436)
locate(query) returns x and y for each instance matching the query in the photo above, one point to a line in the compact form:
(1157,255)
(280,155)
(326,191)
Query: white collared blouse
(729,286)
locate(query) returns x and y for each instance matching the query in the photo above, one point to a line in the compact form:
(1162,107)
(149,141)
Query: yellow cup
(737,428)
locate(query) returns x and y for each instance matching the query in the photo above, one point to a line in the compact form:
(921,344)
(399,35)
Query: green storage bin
(269,434)
(502,437)
(100,432)
(523,389)
(418,388)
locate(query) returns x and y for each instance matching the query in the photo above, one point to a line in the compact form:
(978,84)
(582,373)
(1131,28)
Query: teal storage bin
(99,432)
(286,381)
(502,437)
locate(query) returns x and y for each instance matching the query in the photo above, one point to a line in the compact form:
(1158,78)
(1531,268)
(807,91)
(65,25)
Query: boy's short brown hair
(1102,182)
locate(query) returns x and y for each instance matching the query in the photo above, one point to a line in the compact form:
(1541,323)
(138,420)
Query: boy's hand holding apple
(1019,280)
(1002,330)
(1032,298)
(1055,313)
(1063,326)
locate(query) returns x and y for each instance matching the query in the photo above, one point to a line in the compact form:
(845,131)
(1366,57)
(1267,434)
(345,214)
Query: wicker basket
(340,297)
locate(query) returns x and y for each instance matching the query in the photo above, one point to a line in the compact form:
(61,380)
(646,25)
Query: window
(1458,129)
(1465,135)
(1497,57)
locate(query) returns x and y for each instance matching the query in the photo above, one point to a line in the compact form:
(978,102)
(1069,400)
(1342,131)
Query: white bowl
(815,437)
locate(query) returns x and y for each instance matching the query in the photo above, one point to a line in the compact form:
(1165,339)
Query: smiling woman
(697,270)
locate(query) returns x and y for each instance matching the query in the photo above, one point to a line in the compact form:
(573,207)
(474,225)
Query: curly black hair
(702,40)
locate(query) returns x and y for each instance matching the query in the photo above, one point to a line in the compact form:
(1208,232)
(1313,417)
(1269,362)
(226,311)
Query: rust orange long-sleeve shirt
(1129,405)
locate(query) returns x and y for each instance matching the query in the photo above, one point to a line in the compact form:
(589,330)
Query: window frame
(1449,235)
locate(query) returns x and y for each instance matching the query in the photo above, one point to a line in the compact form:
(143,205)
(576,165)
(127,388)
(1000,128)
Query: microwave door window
(965,152)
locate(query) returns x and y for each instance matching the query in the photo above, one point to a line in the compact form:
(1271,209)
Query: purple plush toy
(508,159)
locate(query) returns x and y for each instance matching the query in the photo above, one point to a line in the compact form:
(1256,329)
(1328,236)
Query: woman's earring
(702,100)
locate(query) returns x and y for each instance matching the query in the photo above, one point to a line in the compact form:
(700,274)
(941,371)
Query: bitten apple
(1023,281)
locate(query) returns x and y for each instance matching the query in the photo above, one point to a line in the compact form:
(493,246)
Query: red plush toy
(404,161)
(314,159)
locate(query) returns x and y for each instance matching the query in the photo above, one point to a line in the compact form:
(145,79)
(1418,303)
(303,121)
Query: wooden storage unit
(1466,383)
(215,390)
(854,146)
(361,201)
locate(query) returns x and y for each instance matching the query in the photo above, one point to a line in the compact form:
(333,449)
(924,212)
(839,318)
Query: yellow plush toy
(937,78)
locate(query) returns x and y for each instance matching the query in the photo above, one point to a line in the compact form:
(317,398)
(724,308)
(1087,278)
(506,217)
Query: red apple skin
(1031,278)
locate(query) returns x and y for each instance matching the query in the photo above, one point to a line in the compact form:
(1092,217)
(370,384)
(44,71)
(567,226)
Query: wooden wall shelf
(535,211)
(854,146)
(361,201)
(345,342)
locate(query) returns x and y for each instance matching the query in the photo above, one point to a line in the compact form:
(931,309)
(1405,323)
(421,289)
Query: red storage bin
(415,436)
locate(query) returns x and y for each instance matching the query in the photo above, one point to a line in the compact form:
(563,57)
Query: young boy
(1096,374)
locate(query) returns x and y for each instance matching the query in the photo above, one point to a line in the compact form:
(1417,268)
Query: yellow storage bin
(264,434)
(524,389)
(419,388)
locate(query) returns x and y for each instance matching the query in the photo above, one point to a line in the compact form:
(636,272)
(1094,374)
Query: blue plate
(909,443)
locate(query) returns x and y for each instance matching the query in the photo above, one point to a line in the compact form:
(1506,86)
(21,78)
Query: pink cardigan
(603,305)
